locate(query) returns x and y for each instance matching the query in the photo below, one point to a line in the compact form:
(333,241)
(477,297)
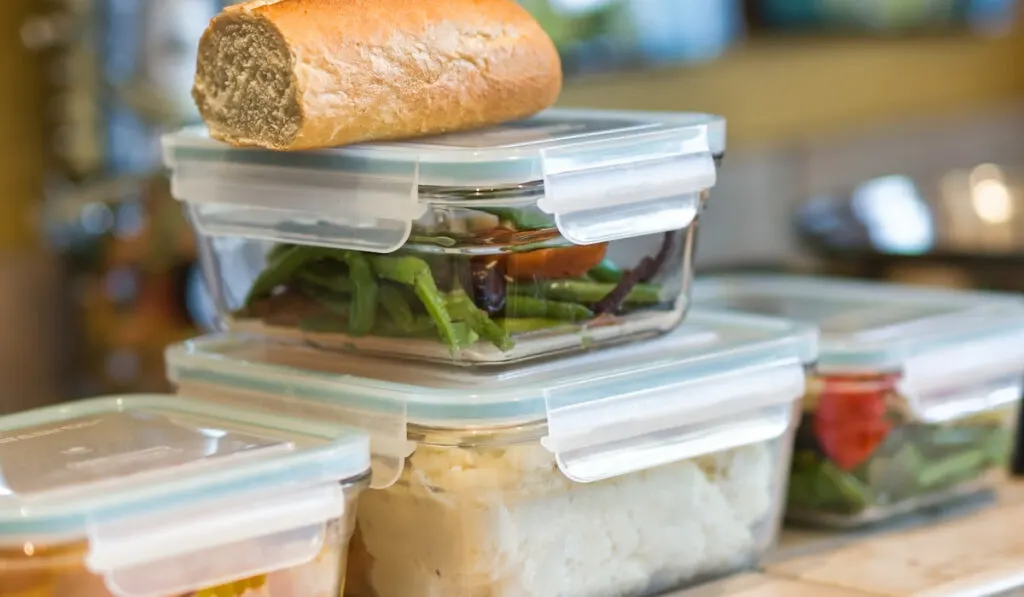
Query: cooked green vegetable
(520,277)
(331,282)
(415,272)
(516,325)
(525,306)
(461,307)
(582,291)
(606,271)
(281,266)
(393,302)
(916,461)
(364,303)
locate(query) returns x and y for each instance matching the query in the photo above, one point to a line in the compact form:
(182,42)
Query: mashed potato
(505,522)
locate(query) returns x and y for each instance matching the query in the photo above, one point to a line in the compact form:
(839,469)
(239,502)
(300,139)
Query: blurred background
(871,138)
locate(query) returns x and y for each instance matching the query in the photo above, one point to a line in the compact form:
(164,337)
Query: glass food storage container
(912,401)
(620,472)
(554,234)
(161,496)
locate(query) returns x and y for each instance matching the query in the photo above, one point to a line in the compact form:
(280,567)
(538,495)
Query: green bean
(319,324)
(525,325)
(425,328)
(331,301)
(606,271)
(421,328)
(335,283)
(280,269)
(581,291)
(526,306)
(364,304)
(393,302)
(415,272)
(462,307)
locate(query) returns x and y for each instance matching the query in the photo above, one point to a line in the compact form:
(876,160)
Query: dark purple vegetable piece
(489,283)
(644,272)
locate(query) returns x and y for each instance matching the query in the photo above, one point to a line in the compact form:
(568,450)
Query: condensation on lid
(67,469)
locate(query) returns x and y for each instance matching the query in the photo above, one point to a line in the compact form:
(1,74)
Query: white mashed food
(505,522)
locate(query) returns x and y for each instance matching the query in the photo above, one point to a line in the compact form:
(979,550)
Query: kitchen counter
(972,549)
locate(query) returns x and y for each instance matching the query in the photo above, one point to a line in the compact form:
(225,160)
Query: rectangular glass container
(628,471)
(559,233)
(161,496)
(912,402)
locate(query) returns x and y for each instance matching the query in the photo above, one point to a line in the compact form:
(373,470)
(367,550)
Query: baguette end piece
(245,86)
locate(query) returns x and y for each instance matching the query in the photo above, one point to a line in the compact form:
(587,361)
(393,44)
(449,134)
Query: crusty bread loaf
(303,74)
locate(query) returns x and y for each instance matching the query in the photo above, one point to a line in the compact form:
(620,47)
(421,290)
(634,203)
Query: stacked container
(913,398)
(438,293)
(627,471)
(563,232)
(150,496)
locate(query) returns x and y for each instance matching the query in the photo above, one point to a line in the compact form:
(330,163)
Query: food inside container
(160,496)
(628,471)
(549,235)
(912,402)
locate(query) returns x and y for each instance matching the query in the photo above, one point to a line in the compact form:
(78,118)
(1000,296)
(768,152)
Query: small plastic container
(912,401)
(150,496)
(627,471)
(562,232)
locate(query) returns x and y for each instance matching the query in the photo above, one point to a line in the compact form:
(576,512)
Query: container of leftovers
(621,472)
(555,234)
(912,401)
(160,496)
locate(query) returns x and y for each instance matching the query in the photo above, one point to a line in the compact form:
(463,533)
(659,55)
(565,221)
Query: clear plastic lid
(156,483)
(718,381)
(603,175)
(957,351)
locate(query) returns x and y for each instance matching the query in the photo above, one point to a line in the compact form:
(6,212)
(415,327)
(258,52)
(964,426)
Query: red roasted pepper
(850,420)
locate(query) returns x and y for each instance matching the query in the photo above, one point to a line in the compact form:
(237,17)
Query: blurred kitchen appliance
(962,228)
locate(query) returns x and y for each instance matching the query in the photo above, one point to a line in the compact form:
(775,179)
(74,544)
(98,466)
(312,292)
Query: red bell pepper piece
(851,419)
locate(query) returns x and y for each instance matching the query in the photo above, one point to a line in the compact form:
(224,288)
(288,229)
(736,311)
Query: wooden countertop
(973,550)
